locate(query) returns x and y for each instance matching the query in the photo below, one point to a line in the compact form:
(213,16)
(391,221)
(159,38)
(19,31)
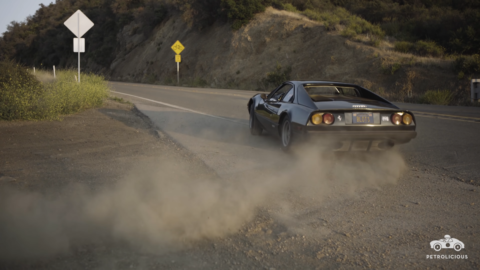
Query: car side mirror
(263,96)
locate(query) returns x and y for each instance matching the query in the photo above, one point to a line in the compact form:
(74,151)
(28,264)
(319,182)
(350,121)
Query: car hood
(350,102)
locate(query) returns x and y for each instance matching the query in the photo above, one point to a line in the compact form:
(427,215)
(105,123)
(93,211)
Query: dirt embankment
(241,59)
(76,193)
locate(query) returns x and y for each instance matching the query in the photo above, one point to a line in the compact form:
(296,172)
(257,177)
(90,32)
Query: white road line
(181,108)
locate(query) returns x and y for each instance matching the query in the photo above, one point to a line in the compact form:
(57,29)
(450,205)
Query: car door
(273,105)
(263,114)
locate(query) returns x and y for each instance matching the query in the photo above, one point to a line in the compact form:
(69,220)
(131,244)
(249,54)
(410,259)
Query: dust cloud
(164,204)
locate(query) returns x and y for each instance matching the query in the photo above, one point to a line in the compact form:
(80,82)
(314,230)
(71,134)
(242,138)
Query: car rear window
(327,92)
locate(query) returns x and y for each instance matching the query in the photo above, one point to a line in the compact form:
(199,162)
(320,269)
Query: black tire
(286,134)
(254,125)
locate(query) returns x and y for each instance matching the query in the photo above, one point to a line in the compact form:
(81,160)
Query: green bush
(404,46)
(421,47)
(289,7)
(240,12)
(395,67)
(439,97)
(349,33)
(277,76)
(23,96)
(20,92)
(428,48)
(467,65)
(354,24)
(66,96)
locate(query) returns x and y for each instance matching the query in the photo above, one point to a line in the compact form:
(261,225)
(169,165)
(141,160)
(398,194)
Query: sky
(18,10)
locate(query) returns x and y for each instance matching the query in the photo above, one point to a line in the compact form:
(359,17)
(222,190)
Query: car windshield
(327,92)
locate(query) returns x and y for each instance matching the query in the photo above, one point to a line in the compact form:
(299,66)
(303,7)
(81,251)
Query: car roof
(323,82)
(304,99)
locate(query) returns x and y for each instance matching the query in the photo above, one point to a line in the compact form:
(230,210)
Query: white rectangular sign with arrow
(79,24)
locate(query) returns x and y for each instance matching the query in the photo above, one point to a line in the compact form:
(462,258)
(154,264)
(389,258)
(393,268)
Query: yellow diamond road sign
(177,47)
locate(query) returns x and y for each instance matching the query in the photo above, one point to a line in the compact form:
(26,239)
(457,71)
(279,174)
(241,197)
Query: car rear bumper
(361,140)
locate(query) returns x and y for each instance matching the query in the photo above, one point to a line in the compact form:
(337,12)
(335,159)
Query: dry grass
(25,96)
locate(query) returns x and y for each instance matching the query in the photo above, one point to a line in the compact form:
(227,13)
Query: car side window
(349,91)
(280,93)
(289,96)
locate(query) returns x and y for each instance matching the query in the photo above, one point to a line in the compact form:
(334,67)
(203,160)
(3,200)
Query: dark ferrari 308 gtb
(347,116)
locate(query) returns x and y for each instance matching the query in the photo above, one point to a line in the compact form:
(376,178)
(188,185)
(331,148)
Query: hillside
(218,57)
(253,44)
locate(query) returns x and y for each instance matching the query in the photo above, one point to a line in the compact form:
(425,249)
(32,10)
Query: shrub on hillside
(467,64)
(440,97)
(277,76)
(421,47)
(404,46)
(428,48)
(289,7)
(20,92)
(240,12)
(354,24)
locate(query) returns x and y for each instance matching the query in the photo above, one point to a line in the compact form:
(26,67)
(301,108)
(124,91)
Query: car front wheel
(437,247)
(457,247)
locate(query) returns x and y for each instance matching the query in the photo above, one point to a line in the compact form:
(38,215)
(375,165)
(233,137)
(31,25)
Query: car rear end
(361,129)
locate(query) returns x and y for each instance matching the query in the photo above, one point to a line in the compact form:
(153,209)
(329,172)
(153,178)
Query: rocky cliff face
(220,57)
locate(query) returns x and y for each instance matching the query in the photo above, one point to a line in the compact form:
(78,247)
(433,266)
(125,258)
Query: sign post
(79,24)
(177,47)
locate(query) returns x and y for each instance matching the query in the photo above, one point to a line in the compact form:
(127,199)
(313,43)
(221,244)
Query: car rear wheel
(437,247)
(286,134)
(255,127)
(457,247)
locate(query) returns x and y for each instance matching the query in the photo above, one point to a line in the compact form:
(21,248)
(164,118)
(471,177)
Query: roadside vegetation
(423,27)
(338,18)
(25,96)
(438,97)
(276,77)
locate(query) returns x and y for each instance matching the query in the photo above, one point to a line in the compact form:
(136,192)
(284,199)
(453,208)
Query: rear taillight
(323,118)
(328,118)
(407,119)
(317,118)
(402,118)
(396,118)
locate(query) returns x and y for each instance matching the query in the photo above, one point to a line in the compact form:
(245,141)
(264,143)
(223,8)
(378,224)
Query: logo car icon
(448,242)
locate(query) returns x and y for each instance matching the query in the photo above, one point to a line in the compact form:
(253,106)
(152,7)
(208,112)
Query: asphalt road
(215,121)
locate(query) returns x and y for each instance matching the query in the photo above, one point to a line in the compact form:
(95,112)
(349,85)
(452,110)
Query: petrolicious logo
(447,243)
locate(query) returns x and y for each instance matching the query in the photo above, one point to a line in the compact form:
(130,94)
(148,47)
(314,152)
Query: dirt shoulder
(51,165)
(94,147)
